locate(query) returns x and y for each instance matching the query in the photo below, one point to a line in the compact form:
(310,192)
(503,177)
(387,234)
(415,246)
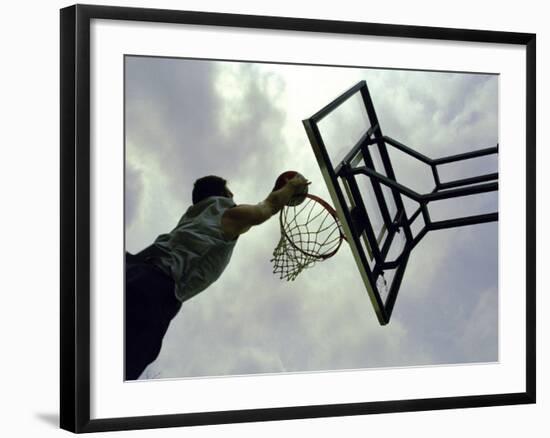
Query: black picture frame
(75,217)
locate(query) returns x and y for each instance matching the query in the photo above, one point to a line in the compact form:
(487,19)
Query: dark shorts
(150,305)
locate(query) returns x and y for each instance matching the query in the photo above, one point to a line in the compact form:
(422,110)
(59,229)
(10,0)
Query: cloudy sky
(243,121)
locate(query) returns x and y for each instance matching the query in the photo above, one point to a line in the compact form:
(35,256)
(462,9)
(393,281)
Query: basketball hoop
(310,232)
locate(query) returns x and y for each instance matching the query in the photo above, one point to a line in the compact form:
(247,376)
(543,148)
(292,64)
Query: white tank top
(195,253)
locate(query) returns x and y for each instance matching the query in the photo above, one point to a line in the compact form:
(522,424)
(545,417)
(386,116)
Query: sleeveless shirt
(195,253)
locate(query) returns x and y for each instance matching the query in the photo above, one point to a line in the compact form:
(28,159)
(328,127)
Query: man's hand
(298,183)
(279,198)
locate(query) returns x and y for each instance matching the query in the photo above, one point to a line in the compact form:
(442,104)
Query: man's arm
(239,219)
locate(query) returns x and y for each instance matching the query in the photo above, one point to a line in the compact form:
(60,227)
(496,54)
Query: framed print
(268,218)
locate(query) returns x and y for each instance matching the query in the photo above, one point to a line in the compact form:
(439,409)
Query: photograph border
(75,214)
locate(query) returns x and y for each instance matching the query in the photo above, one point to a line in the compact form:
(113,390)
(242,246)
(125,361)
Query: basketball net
(310,232)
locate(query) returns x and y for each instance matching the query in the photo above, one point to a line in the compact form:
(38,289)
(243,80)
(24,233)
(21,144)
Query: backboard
(371,214)
(352,153)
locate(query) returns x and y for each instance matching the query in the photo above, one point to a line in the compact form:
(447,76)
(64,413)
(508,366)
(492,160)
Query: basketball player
(184,262)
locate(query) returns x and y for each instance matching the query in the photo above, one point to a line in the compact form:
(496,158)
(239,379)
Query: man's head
(210,186)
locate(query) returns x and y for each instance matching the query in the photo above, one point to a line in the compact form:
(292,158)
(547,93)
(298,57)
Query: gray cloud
(170,109)
(464,277)
(133,188)
(175,112)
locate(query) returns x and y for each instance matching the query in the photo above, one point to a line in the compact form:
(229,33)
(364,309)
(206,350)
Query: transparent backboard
(344,138)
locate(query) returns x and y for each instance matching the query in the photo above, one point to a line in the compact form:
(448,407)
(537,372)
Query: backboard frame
(370,250)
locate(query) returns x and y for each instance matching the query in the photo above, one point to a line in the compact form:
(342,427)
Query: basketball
(283,178)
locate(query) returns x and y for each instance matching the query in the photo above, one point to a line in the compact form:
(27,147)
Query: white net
(310,232)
